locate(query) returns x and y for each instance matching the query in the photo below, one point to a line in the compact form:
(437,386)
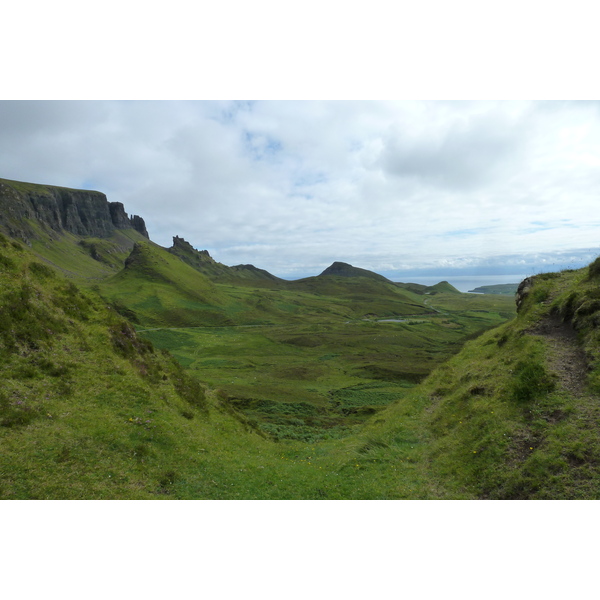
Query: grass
(90,409)
(318,364)
(339,409)
(84,260)
(499,422)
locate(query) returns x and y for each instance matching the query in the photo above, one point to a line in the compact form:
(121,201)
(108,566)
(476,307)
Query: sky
(408,189)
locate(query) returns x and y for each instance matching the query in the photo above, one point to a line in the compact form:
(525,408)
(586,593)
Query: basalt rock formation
(202,261)
(57,209)
(523,291)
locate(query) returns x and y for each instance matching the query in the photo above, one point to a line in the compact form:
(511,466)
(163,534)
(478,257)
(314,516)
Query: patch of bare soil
(567,359)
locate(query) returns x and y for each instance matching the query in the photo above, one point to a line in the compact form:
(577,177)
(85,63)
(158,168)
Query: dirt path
(567,359)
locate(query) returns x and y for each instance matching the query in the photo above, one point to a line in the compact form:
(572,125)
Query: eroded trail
(567,359)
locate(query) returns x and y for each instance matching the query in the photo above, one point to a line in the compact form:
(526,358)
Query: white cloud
(293,186)
(453,148)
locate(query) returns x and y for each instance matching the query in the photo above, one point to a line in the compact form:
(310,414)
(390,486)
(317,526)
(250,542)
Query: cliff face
(200,260)
(81,212)
(138,224)
(203,262)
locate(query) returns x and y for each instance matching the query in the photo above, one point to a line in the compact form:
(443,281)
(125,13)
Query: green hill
(162,290)
(503,288)
(441,287)
(364,295)
(416,288)
(341,269)
(515,414)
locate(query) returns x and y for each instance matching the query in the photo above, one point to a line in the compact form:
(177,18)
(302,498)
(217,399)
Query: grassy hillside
(84,259)
(341,269)
(363,296)
(158,288)
(319,377)
(515,415)
(87,409)
(90,410)
(442,287)
(162,289)
(502,288)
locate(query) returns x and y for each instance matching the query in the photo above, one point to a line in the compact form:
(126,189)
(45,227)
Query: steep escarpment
(24,207)
(200,260)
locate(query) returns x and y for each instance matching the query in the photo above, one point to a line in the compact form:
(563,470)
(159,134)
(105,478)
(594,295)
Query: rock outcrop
(200,260)
(203,262)
(81,212)
(138,224)
(523,291)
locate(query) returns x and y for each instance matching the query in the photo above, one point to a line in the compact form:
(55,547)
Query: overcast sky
(401,188)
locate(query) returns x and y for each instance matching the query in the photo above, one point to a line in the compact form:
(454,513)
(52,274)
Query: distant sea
(466,283)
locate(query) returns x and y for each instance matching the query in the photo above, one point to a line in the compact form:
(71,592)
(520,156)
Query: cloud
(293,186)
(453,148)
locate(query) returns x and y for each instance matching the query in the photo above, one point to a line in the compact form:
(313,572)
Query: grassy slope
(340,269)
(299,360)
(442,287)
(89,410)
(503,419)
(164,291)
(85,259)
(363,296)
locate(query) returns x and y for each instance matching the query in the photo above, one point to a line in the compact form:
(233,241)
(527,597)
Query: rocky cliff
(56,209)
(202,261)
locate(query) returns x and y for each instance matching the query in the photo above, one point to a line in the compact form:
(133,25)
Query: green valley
(136,371)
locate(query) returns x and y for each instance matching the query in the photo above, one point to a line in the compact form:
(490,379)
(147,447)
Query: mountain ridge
(38,212)
(203,262)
